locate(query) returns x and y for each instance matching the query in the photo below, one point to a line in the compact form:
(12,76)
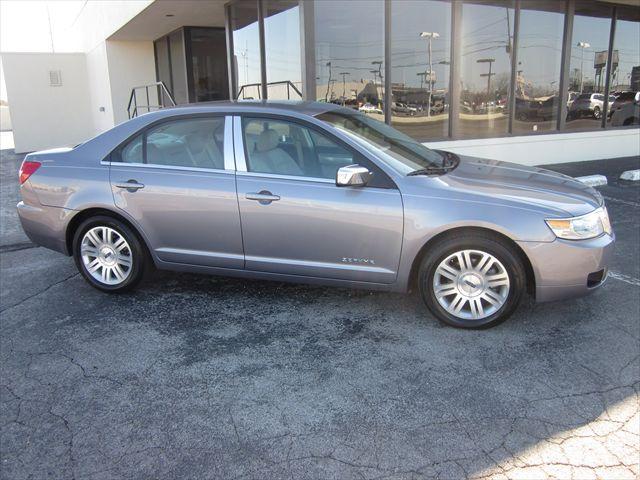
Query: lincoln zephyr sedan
(315,193)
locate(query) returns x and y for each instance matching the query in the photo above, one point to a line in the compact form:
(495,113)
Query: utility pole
(488,75)
(430,36)
(344,90)
(379,73)
(326,95)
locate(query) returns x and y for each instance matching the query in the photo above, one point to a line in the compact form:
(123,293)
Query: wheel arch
(83,215)
(415,266)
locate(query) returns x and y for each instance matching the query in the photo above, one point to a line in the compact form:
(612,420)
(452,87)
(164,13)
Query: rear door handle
(131,185)
(264,197)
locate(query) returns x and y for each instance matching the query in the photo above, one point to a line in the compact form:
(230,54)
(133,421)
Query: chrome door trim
(287,177)
(322,265)
(169,167)
(229,163)
(238,144)
(202,253)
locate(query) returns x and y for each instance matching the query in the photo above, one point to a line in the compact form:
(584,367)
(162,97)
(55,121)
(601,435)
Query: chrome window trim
(238,144)
(287,177)
(168,167)
(229,163)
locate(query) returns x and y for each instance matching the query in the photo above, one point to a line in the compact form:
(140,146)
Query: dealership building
(519,80)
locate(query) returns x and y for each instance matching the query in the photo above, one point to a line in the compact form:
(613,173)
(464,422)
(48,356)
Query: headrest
(268,140)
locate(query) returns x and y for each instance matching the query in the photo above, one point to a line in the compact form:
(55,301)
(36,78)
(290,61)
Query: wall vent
(55,78)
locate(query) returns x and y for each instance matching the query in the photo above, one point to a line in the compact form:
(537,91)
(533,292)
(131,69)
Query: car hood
(524,185)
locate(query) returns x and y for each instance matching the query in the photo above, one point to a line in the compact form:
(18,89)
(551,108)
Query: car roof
(297,106)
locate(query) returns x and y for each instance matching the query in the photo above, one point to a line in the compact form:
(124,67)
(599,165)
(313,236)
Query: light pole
(326,95)
(379,73)
(344,90)
(582,46)
(488,75)
(430,36)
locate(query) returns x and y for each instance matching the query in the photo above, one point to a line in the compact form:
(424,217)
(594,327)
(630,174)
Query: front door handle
(130,185)
(265,197)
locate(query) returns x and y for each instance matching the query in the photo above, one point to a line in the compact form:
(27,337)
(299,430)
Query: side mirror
(353,176)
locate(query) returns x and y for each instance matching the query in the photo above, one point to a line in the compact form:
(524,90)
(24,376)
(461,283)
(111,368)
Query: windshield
(401,152)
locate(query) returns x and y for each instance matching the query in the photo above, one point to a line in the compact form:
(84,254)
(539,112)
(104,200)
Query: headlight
(579,228)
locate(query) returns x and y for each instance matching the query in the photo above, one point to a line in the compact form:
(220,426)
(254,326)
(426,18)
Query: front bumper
(566,268)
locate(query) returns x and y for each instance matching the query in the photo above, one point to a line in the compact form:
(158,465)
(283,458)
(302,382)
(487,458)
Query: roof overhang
(164,16)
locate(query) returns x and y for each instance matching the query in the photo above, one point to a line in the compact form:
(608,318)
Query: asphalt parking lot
(202,377)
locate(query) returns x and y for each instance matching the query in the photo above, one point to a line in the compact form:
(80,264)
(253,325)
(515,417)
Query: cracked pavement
(203,377)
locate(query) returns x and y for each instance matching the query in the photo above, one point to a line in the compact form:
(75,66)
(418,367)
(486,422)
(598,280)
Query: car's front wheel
(597,113)
(108,254)
(472,280)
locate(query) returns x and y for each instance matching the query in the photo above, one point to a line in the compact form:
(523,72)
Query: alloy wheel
(471,284)
(106,255)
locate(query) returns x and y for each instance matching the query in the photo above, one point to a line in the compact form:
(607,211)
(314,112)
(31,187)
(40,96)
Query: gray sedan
(314,193)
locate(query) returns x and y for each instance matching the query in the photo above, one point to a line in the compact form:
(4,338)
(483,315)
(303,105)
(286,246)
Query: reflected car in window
(588,105)
(315,193)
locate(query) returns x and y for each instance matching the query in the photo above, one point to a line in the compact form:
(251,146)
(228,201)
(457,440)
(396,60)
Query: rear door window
(189,143)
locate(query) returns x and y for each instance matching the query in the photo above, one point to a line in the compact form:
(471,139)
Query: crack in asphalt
(40,292)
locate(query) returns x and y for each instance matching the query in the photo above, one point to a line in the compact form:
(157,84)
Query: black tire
(485,242)
(140,264)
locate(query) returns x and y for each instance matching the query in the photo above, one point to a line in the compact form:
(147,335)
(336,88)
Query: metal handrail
(162,92)
(288,83)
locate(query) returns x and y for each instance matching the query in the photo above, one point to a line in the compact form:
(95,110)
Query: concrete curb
(593,180)
(631,175)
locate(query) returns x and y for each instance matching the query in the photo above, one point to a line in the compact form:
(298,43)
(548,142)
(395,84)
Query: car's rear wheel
(108,254)
(472,280)
(597,113)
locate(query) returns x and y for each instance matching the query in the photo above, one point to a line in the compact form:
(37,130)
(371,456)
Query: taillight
(27,169)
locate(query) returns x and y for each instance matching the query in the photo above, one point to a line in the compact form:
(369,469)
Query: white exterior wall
(44,116)
(5,119)
(131,64)
(551,148)
(99,89)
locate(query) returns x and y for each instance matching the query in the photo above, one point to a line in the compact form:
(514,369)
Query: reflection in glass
(539,61)
(208,64)
(587,67)
(485,68)
(163,66)
(420,49)
(625,73)
(282,49)
(350,53)
(178,67)
(246,49)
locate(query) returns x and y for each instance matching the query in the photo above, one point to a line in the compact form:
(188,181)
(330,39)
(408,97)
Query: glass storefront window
(625,73)
(178,67)
(208,64)
(246,49)
(539,63)
(349,52)
(587,66)
(420,51)
(282,49)
(163,66)
(485,68)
